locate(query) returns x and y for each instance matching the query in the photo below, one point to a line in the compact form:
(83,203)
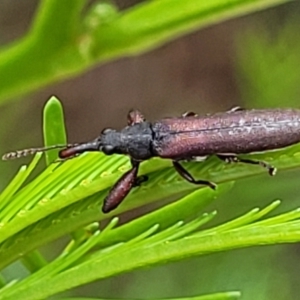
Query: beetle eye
(107,130)
(108,150)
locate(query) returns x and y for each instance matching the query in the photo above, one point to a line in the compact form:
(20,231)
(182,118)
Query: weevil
(189,137)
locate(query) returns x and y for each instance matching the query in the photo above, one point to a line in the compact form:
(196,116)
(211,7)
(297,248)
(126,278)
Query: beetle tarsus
(235,159)
(187,176)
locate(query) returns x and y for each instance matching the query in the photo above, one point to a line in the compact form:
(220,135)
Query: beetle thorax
(135,141)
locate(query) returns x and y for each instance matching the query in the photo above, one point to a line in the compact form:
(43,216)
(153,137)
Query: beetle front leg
(231,158)
(187,176)
(134,117)
(121,189)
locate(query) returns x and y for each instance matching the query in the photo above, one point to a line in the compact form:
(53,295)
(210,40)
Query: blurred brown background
(200,72)
(195,72)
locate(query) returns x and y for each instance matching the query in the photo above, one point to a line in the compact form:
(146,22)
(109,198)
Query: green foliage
(272,62)
(218,296)
(64,41)
(66,197)
(54,128)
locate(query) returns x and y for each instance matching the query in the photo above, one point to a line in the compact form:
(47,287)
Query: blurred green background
(251,61)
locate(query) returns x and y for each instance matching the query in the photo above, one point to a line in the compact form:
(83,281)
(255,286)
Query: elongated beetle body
(189,137)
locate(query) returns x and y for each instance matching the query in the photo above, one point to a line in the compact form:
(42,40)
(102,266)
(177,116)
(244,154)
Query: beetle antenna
(31,151)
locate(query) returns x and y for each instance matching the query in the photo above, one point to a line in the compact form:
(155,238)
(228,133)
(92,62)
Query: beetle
(189,137)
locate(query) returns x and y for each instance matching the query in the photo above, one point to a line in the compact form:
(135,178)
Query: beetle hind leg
(122,187)
(234,159)
(187,176)
(139,180)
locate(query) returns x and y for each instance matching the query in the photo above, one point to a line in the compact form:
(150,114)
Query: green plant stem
(61,45)
(31,62)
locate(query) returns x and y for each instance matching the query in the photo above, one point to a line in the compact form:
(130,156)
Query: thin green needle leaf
(64,260)
(16,183)
(161,236)
(65,221)
(178,230)
(53,127)
(194,225)
(34,261)
(126,258)
(282,218)
(137,253)
(218,296)
(188,206)
(144,235)
(85,233)
(249,217)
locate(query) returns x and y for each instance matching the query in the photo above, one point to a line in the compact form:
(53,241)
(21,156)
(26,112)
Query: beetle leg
(139,180)
(121,189)
(189,114)
(234,159)
(187,176)
(235,108)
(134,117)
